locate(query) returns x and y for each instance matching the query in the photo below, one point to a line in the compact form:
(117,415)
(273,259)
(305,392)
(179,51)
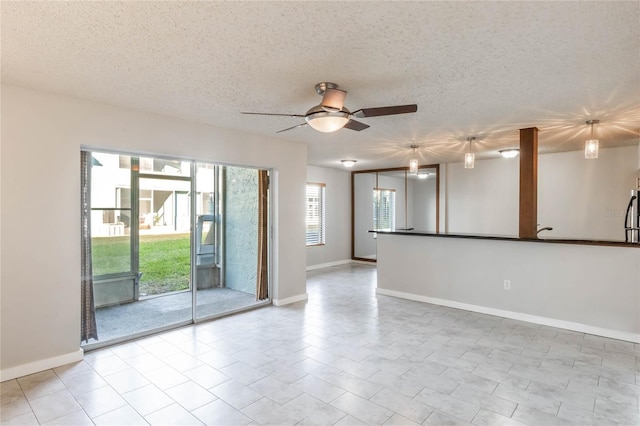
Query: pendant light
(591,145)
(413,162)
(469,157)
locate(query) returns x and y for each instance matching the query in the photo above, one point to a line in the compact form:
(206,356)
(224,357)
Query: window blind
(315,213)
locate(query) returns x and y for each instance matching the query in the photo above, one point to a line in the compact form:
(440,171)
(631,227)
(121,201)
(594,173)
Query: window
(384,207)
(315,214)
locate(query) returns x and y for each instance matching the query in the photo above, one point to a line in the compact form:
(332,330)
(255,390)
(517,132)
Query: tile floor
(345,357)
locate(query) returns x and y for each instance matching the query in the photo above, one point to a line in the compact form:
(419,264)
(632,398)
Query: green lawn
(164,260)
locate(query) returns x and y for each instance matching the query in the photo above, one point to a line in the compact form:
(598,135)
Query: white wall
(337,248)
(582,199)
(592,289)
(586,198)
(41,139)
(483,200)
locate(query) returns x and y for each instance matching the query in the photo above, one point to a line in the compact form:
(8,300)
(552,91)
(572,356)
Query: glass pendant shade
(591,149)
(413,161)
(469,157)
(592,144)
(469,160)
(413,166)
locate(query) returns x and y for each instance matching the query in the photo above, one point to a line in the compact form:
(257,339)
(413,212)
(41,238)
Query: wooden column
(528,183)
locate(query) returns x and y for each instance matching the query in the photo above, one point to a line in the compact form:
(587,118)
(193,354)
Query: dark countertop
(608,243)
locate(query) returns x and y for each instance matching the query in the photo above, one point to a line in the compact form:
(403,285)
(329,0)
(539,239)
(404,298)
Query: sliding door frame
(392,169)
(134,241)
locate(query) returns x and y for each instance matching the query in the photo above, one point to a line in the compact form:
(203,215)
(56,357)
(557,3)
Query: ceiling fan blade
(388,110)
(291,128)
(355,125)
(269,113)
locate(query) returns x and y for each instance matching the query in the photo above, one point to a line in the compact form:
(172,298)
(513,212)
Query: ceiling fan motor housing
(332,97)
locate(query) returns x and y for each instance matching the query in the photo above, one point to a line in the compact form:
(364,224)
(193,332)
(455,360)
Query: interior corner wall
(42,135)
(337,247)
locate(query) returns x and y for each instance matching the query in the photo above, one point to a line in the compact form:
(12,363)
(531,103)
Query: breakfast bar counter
(582,285)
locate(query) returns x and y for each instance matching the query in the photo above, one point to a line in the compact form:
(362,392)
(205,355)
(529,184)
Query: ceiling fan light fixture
(348,163)
(331,115)
(327,122)
(509,153)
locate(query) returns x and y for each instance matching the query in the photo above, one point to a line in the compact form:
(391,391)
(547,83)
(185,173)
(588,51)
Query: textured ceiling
(482,69)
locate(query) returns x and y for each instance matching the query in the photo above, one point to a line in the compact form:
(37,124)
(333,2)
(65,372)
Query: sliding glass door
(227,239)
(173,242)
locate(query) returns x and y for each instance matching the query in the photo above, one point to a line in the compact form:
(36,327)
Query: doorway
(172,242)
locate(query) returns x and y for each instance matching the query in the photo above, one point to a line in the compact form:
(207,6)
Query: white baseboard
(288,300)
(567,325)
(328,265)
(41,365)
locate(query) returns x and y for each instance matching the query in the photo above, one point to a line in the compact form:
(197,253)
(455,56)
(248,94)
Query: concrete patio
(160,311)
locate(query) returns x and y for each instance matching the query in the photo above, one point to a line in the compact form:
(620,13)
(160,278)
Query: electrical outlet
(507,284)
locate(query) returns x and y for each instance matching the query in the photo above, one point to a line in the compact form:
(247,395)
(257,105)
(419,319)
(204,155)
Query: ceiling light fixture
(348,163)
(509,153)
(591,145)
(330,115)
(423,175)
(413,162)
(469,157)
(327,122)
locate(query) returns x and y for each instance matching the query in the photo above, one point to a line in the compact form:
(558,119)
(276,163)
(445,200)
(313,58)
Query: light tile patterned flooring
(345,357)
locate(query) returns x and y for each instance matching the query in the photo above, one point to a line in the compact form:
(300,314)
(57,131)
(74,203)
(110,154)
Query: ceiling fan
(331,115)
